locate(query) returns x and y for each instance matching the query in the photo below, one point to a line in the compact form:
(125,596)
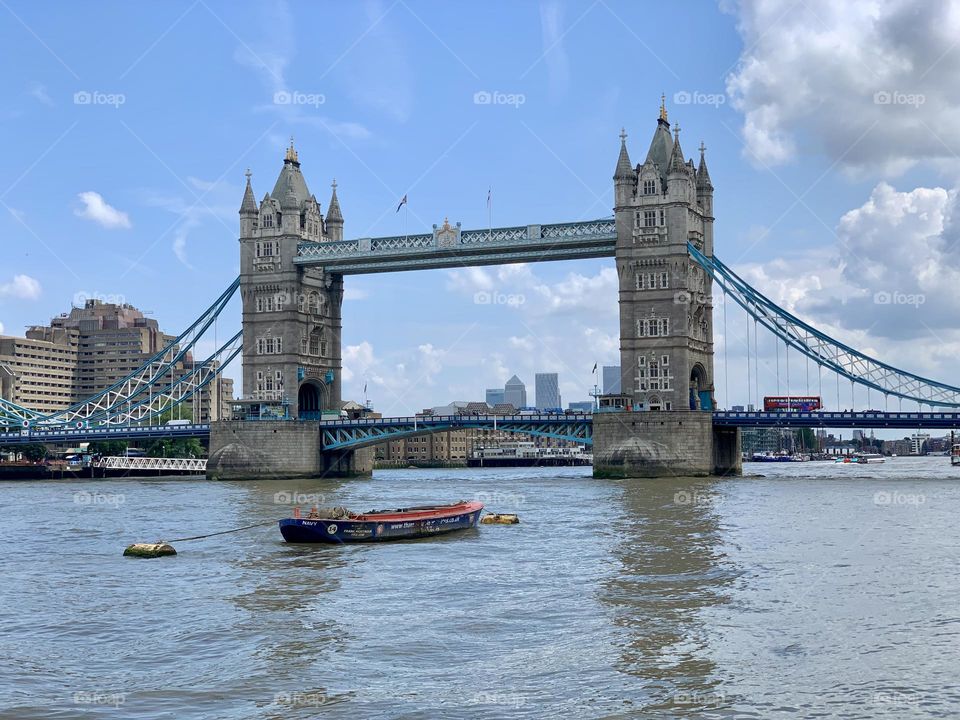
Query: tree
(181,448)
(108,447)
(805,438)
(183,411)
(34,452)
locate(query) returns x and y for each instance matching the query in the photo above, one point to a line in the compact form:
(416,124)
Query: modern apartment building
(87,350)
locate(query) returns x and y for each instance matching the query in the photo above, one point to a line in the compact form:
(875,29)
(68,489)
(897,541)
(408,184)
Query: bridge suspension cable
(852,364)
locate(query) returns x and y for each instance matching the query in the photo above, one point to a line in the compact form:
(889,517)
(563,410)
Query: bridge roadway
(343,434)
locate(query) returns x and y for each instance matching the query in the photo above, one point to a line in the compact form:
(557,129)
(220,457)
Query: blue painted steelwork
(201,430)
(352,434)
(823,349)
(858,420)
(449,246)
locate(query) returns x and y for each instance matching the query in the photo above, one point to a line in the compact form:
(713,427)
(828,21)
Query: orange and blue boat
(339,525)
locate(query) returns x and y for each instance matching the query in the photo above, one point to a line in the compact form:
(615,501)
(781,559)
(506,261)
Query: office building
(515,392)
(547,391)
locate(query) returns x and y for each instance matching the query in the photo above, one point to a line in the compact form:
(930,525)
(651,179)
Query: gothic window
(303,346)
(318,345)
(651,281)
(261,345)
(267,220)
(638,278)
(279,346)
(268,303)
(642,361)
(278,379)
(663,218)
(649,187)
(650,218)
(664,281)
(300,302)
(314,303)
(269,346)
(281,301)
(259,304)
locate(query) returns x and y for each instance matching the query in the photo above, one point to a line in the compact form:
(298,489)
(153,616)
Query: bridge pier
(679,443)
(275,449)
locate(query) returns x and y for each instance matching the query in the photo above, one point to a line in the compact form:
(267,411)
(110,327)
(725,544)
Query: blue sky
(134,194)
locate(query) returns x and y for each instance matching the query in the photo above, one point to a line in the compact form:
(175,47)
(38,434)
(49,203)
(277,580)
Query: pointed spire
(703,176)
(291,155)
(333,209)
(663,107)
(624,169)
(249,204)
(676,156)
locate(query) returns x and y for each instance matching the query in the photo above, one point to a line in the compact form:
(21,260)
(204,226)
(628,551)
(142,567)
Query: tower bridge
(293,261)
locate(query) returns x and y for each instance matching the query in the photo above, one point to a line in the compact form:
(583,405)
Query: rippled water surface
(811,591)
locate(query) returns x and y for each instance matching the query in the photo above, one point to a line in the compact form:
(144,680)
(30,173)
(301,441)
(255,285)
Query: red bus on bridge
(774,403)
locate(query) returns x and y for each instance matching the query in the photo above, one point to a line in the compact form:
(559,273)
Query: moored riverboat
(339,525)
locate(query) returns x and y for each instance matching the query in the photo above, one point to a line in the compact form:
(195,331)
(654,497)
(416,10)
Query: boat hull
(339,531)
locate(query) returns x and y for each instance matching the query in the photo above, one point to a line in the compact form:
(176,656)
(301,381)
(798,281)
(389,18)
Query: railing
(195,465)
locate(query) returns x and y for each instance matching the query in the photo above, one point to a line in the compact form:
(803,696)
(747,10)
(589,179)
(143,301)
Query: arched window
(318,344)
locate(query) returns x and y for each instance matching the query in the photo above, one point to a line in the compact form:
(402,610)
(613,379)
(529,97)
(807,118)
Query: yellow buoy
(500,519)
(149,550)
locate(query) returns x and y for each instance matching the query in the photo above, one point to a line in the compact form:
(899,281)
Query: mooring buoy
(500,519)
(149,550)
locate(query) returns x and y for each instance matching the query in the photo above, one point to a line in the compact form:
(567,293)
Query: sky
(832,134)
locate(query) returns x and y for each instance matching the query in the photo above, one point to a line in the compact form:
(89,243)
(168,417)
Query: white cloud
(23,287)
(97,209)
(39,93)
(352,293)
(554,54)
(889,288)
(1,328)
(871,84)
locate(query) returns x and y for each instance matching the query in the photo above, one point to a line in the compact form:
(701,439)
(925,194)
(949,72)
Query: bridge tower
(291,315)
(666,317)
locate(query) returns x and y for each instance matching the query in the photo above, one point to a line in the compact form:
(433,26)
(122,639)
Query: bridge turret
(334,223)
(624,177)
(248,210)
(705,199)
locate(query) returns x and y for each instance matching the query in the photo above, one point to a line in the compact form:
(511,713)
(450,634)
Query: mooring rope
(222,532)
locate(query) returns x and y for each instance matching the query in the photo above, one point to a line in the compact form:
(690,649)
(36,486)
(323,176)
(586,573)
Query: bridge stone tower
(291,315)
(666,319)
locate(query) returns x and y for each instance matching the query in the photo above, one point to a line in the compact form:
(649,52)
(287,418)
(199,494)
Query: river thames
(799,590)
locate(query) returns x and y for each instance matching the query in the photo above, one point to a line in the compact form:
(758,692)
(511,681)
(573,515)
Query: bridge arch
(310,399)
(698,387)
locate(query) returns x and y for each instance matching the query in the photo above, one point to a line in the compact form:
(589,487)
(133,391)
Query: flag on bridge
(364,388)
(489,197)
(594,368)
(402,203)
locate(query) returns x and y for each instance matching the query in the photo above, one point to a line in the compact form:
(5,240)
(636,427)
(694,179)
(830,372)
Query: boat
(860,459)
(955,454)
(339,525)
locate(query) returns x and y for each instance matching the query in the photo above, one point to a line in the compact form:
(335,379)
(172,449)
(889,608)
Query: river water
(800,590)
